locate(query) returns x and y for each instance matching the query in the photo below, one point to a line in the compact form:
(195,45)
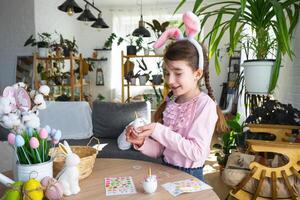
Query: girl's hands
(137,135)
(133,137)
(146,131)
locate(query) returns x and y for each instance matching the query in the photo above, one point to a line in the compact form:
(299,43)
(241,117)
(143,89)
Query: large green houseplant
(271,24)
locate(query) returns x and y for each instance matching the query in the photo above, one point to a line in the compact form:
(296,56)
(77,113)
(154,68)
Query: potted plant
(68,46)
(158,28)
(228,140)
(272,24)
(42,43)
(157,78)
(132,43)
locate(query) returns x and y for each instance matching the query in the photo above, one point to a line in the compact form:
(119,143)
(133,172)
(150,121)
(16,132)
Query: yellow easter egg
(14,193)
(33,189)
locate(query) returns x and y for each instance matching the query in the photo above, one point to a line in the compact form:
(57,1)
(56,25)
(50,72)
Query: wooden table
(93,186)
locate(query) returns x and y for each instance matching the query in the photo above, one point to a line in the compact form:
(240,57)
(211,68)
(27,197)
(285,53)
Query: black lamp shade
(86,15)
(70,4)
(99,23)
(141,30)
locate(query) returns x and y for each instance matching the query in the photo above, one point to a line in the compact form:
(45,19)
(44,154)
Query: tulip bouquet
(19,113)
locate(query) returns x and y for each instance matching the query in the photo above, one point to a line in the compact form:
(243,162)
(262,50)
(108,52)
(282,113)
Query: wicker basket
(87,156)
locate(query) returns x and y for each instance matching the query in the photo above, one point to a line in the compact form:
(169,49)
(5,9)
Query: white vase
(37,171)
(43,52)
(257,76)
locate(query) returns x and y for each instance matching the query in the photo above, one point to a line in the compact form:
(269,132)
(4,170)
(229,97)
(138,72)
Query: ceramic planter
(143,79)
(131,50)
(257,75)
(43,52)
(157,79)
(37,171)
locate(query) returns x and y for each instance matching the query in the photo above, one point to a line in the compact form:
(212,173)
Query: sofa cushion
(110,119)
(3,133)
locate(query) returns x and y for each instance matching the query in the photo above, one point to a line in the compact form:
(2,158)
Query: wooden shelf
(73,82)
(96,59)
(143,56)
(102,49)
(58,58)
(124,83)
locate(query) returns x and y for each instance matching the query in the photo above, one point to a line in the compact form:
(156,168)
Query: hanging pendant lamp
(70,7)
(87,15)
(141,30)
(99,23)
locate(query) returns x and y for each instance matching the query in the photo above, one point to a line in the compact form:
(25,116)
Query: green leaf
(179,6)
(282,28)
(197,4)
(217,64)
(275,72)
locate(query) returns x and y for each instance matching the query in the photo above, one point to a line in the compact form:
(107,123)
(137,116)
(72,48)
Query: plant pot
(146,51)
(37,171)
(131,50)
(157,79)
(133,81)
(143,79)
(43,52)
(257,75)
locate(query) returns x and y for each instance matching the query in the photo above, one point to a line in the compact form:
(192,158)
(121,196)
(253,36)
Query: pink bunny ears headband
(192,27)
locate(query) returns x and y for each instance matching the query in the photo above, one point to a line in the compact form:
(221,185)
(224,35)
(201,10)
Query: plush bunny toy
(68,177)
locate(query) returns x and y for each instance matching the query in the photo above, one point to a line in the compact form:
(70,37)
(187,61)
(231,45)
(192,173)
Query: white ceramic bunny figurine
(69,175)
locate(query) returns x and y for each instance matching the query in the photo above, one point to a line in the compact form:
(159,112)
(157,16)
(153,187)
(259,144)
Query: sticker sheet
(185,186)
(119,186)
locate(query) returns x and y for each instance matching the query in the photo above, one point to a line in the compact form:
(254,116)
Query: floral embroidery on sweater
(178,116)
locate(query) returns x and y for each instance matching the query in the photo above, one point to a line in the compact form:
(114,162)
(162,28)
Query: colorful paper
(185,186)
(119,186)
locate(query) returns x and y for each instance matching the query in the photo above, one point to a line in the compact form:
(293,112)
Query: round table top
(93,187)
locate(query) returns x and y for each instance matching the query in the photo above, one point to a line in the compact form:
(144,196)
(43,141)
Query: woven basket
(87,156)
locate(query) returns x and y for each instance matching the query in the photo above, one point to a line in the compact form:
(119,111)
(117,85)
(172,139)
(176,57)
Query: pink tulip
(34,142)
(43,133)
(11,138)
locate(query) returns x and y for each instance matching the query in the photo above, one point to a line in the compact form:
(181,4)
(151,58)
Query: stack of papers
(185,186)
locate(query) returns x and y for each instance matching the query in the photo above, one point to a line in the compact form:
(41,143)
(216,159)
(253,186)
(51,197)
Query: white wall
(288,87)
(43,16)
(17,23)
(49,19)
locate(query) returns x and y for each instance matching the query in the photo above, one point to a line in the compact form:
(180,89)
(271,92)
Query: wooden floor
(212,174)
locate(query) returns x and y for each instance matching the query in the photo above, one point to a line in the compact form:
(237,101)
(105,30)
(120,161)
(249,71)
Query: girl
(186,121)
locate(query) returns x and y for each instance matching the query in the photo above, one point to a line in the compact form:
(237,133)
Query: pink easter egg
(43,133)
(11,138)
(54,191)
(34,142)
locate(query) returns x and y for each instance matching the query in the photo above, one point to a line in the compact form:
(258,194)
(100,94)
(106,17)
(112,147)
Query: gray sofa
(109,120)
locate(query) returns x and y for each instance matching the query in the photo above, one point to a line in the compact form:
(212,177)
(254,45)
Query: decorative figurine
(150,183)
(68,177)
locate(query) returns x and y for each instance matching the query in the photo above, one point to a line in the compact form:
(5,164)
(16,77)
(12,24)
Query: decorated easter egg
(33,189)
(139,122)
(14,193)
(54,190)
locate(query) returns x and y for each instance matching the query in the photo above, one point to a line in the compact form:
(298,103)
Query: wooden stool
(260,172)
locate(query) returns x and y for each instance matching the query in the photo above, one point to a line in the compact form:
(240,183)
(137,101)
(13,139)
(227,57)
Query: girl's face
(181,78)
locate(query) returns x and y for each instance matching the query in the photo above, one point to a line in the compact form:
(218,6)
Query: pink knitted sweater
(184,139)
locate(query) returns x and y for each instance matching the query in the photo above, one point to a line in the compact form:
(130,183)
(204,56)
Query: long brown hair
(185,50)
